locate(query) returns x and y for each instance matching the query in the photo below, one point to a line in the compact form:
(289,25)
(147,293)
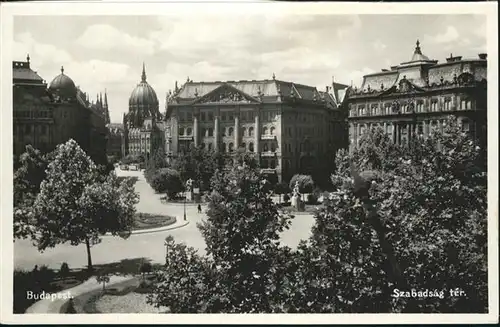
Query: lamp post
(189,184)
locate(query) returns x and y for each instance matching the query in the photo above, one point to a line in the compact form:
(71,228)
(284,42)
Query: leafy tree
(424,214)
(76,205)
(306,183)
(167,181)
(244,263)
(145,268)
(102,278)
(157,159)
(281,188)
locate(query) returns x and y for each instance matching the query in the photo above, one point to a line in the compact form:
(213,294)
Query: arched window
(264,131)
(231,147)
(250,147)
(223,147)
(250,131)
(243,131)
(230,131)
(266,147)
(244,145)
(203,132)
(189,131)
(273,147)
(210,132)
(272,164)
(272,130)
(181,131)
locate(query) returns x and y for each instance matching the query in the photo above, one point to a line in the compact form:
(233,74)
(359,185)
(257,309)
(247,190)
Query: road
(150,245)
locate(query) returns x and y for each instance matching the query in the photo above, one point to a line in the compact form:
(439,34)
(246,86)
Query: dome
(144,96)
(63,85)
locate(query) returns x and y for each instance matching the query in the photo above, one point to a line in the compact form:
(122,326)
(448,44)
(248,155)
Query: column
(397,134)
(385,127)
(358,133)
(196,127)
(216,130)
(454,102)
(237,141)
(257,131)
(425,126)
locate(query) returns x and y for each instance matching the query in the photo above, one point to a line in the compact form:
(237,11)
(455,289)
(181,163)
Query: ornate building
(47,116)
(289,127)
(143,126)
(415,97)
(115,140)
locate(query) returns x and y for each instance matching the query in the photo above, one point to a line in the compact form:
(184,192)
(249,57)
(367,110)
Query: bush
(64,270)
(166,180)
(306,183)
(312,199)
(145,268)
(286,197)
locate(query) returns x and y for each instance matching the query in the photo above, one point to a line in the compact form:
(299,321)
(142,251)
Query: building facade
(45,116)
(415,97)
(143,126)
(288,127)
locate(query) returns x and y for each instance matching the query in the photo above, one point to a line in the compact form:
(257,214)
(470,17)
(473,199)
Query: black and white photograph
(249,158)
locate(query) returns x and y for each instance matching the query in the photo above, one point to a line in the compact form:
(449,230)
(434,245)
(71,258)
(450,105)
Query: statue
(189,190)
(296,198)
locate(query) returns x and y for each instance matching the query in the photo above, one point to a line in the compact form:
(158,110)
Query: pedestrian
(199,208)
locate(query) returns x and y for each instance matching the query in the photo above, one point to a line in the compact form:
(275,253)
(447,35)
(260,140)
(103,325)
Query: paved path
(148,245)
(49,306)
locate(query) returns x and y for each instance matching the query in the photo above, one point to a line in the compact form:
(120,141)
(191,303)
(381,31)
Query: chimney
(327,88)
(483,56)
(452,59)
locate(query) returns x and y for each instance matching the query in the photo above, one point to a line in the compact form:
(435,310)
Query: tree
(77,205)
(306,183)
(145,268)
(166,180)
(281,188)
(103,278)
(244,263)
(427,204)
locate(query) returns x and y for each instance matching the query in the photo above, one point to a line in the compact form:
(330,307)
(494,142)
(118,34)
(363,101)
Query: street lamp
(189,183)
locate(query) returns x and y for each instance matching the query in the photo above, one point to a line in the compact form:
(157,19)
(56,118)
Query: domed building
(47,116)
(143,124)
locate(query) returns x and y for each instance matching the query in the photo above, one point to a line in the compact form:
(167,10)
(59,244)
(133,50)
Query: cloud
(353,25)
(450,35)
(379,46)
(356,76)
(107,37)
(24,43)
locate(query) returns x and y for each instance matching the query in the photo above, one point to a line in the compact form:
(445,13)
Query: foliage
(27,179)
(312,199)
(281,188)
(244,259)
(145,268)
(306,183)
(157,160)
(286,197)
(76,204)
(167,180)
(102,278)
(431,199)
(64,270)
(132,159)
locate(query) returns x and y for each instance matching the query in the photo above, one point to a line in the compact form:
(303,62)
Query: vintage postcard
(296,162)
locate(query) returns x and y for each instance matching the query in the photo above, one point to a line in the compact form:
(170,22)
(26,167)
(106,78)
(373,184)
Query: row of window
(229,131)
(246,116)
(28,129)
(32,114)
(419,106)
(316,131)
(467,126)
(304,117)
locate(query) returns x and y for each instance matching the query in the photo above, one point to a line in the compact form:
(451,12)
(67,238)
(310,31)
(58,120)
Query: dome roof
(63,85)
(143,95)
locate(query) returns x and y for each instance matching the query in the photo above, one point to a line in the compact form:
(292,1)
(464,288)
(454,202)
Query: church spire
(417,48)
(143,77)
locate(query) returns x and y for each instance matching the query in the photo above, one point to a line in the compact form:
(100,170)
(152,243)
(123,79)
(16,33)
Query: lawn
(147,221)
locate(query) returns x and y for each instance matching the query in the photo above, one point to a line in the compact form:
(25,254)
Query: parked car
(124,167)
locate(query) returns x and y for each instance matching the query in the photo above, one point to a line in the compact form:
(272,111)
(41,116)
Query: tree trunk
(89,257)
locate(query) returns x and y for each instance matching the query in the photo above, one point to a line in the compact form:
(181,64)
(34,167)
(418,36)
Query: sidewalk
(49,306)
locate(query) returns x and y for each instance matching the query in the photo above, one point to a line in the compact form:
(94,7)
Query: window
(181,131)
(266,147)
(210,116)
(244,131)
(231,147)
(189,131)
(272,164)
(189,116)
(231,118)
(210,146)
(273,147)
(250,131)
(224,116)
(43,129)
(447,104)
(203,116)
(204,132)
(250,147)
(264,131)
(243,145)
(434,105)
(230,131)
(210,132)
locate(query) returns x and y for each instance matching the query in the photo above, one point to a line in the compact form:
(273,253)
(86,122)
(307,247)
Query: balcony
(268,137)
(185,137)
(268,154)
(268,170)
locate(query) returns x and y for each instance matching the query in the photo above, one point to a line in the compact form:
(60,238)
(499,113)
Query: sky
(107,52)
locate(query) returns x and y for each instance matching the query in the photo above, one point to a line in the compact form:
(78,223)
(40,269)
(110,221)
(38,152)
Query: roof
(254,88)
(23,73)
